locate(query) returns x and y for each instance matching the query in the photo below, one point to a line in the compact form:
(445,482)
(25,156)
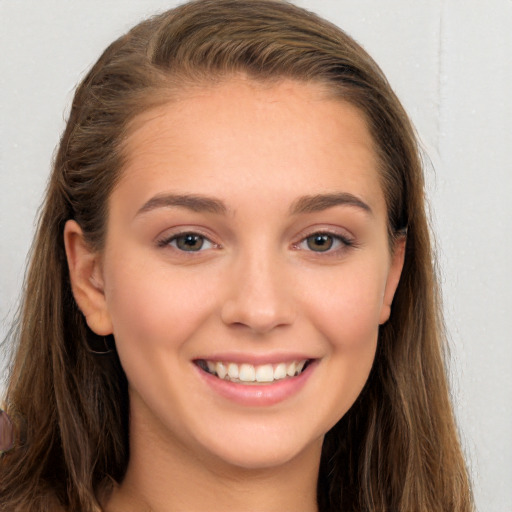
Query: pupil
(190,242)
(319,243)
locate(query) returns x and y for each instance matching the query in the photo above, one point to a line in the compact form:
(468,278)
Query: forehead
(241,133)
(208,104)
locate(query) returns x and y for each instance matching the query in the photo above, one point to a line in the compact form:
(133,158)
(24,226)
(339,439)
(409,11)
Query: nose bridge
(261,296)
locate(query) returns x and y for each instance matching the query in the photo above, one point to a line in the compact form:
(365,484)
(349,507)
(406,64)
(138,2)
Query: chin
(264,450)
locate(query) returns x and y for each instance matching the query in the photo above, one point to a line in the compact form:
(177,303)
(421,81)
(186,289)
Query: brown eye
(320,242)
(189,242)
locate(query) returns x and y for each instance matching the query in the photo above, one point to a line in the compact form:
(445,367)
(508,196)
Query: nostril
(258,318)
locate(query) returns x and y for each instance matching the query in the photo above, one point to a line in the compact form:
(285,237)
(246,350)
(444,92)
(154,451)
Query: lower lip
(262,395)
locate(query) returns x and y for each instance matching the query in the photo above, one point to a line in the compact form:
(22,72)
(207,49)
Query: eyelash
(338,242)
(173,241)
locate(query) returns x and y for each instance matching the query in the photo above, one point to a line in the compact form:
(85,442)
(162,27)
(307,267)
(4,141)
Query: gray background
(450,63)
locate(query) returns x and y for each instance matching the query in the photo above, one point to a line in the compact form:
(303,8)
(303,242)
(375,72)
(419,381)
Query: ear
(86,278)
(394,273)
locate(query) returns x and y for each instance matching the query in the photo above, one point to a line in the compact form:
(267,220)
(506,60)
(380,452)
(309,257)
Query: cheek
(347,307)
(347,316)
(154,310)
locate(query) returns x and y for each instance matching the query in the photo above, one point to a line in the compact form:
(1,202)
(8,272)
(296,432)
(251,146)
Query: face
(246,270)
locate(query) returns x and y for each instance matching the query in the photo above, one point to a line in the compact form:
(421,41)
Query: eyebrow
(196,203)
(304,204)
(320,202)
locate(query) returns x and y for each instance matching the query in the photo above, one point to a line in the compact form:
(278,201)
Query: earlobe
(86,279)
(395,271)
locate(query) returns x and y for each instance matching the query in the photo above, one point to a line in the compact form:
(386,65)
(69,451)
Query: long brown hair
(397,448)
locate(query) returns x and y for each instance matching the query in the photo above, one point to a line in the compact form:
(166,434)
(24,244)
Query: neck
(164,477)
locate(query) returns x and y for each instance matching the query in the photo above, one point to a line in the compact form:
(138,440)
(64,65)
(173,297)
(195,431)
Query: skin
(257,288)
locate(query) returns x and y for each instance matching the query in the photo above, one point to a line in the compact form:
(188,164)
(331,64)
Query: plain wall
(450,63)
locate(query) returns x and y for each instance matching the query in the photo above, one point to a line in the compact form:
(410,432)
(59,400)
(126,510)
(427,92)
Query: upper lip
(255,359)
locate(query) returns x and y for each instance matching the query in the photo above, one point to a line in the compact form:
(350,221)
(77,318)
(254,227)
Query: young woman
(231,303)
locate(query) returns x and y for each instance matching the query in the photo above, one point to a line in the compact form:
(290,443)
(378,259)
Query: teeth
(280,371)
(265,373)
(248,373)
(233,371)
(299,367)
(221,370)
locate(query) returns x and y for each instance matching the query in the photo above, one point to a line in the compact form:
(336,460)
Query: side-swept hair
(397,448)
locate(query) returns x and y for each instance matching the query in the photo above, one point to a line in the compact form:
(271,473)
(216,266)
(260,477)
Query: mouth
(245,373)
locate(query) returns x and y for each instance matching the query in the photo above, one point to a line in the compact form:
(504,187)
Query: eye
(320,242)
(325,242)
(188,242)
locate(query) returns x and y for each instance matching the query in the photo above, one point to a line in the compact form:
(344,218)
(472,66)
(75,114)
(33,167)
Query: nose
(260,295)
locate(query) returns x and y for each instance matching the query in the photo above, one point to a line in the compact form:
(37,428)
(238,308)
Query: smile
(246,373)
